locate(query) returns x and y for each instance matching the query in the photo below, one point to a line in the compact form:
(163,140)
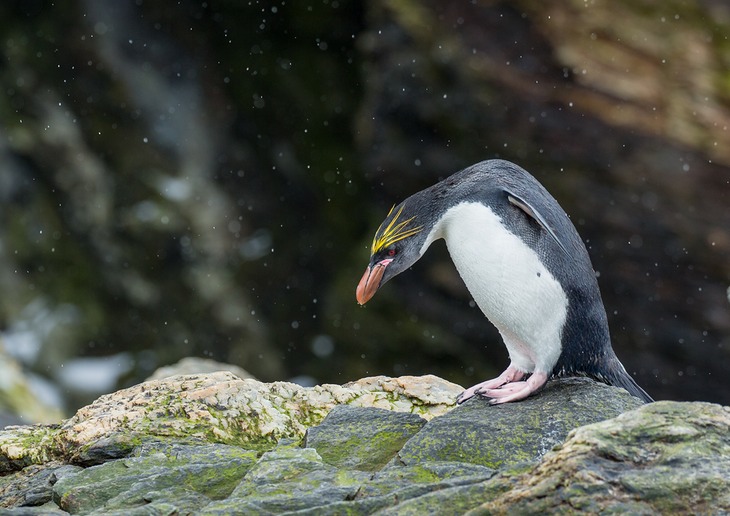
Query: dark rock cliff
(204,178)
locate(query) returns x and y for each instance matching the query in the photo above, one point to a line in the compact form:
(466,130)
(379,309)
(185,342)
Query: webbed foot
(515,391)
(510,375)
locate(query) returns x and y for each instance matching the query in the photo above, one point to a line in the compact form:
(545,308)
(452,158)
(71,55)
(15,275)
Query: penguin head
(397,245)
(519,201)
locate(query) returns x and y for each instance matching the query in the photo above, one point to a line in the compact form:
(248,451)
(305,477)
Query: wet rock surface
(218,407)
(346,437)
(577,445)
(664,458)
(504,436)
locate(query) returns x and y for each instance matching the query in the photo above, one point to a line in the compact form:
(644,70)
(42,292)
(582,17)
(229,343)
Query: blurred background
(203,179)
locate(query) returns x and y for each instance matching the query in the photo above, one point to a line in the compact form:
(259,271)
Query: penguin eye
(391,252)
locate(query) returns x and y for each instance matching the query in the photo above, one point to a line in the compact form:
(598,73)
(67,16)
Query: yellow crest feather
(393,232)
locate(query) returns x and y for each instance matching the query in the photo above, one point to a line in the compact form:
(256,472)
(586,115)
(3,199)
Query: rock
(422,487)
(217,407)
(507,435)
(355,458)
(195,365)
(158,476)
(362,438)
(290,479)
(412,490)
(34,487)
(663,458)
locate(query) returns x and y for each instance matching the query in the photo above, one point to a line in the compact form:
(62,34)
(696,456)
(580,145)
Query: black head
(397,245)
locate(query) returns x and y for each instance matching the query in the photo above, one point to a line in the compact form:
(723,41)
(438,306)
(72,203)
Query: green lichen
(422,475)
(23,446)
(219,481)
(366,454)
(172,471)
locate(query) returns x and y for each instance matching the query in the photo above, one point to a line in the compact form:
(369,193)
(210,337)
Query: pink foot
(515,391)
(511,374)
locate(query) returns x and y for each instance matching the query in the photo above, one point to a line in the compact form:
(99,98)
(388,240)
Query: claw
(516,391)
(511,374)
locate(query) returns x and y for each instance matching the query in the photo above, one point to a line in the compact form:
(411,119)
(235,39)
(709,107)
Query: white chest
(508,282)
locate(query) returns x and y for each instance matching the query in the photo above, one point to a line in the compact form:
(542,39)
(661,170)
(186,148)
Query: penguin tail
(620,378)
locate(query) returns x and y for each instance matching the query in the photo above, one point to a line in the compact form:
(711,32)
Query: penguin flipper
(531,212)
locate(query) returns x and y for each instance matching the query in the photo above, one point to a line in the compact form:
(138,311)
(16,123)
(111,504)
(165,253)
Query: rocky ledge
(218,444)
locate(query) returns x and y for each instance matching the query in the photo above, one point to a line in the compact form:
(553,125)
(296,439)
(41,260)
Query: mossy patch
(22,446)
(362,438)
(506,435)
(163,471)
(288,478)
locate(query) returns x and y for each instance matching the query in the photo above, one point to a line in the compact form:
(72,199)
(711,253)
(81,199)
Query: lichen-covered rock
(183,477)
(663,458)
(290,479)
(217,407)
(513,433)
(422,488)
(22,446)
(362,438)
(34,487)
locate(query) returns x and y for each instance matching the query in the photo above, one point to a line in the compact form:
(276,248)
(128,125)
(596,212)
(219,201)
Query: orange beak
(370,281)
